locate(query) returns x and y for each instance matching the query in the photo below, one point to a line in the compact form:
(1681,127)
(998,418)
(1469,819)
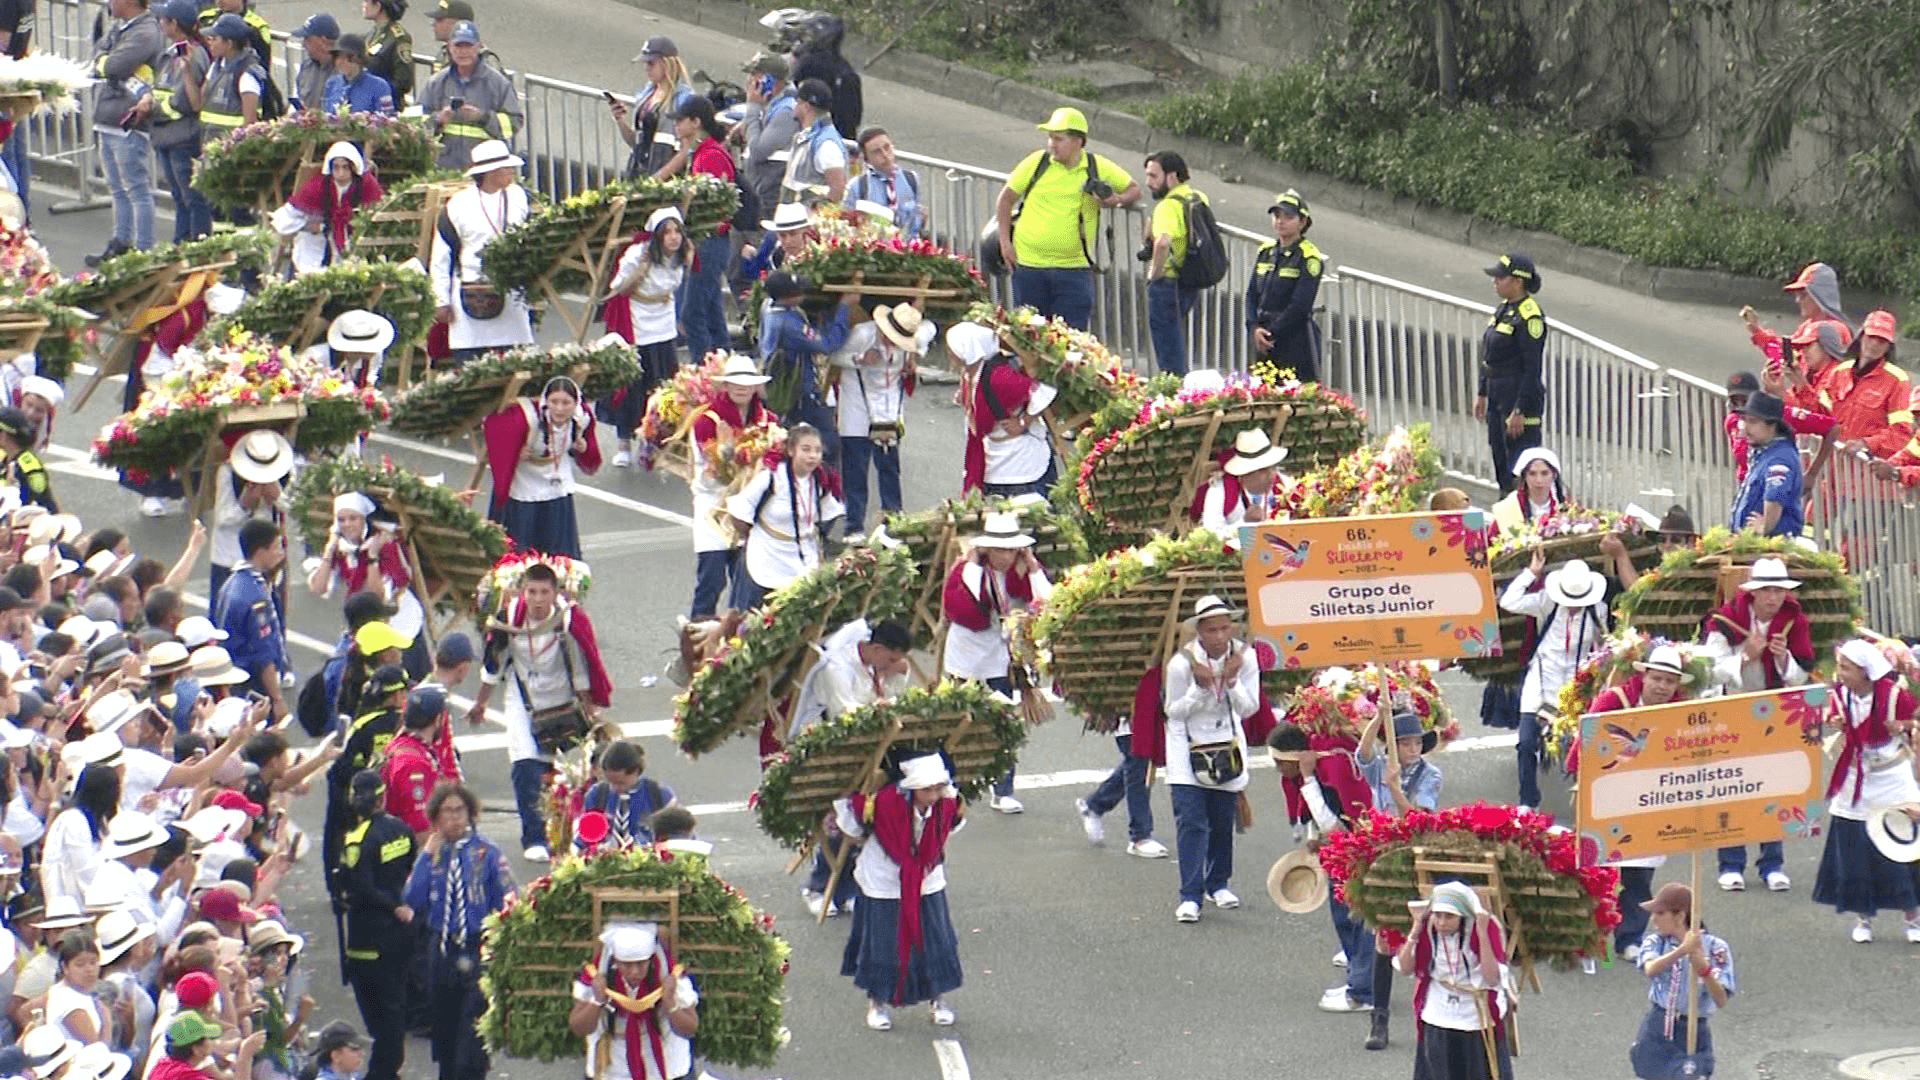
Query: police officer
(367,740)
(24,469)
(1281,292)
(1512,350)
(375,861)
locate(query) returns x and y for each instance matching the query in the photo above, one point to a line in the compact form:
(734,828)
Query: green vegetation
(1527,170)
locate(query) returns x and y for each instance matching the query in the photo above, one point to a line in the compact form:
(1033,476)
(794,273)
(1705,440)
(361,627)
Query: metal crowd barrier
(1626,429)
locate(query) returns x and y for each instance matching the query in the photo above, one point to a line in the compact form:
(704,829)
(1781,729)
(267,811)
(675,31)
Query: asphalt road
(1074,965)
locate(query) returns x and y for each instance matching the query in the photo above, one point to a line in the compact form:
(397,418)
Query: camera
(1098,188)
(1145,254)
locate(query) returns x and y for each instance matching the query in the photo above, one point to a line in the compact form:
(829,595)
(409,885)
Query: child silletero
(1669,950)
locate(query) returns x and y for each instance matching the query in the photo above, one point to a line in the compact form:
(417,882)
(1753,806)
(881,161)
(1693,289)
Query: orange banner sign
(1361,590)
(1703,774)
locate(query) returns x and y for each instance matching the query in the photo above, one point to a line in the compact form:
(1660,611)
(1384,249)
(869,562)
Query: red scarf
(1887,702)
(888,814)
(1789,618)
(640,1035)
(1148,721)
(1423,975)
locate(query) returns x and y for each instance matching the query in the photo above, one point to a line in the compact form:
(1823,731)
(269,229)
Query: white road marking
(953,1060)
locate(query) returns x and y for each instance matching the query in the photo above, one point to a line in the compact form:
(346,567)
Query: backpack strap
(994,404)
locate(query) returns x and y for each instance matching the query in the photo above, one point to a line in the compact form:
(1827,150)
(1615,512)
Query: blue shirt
(1773,477)
(899,192)
(629,816)
(1669,987)
(1419,782)
(489,881)
(245,609)
(369,93)
(788,329)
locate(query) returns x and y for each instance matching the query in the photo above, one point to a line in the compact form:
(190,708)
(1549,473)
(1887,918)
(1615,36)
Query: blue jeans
(192,216)
(1167,307)
(1527,751)
(703,313)
(13,154)
(1129,780)
(1733,860)
(1003,787)
(1357,940)
(1050,291)
(1203,824)
(529,777)
(844,889)
(855,452)
(1636,888)
(711,571)
(130,179)
(746,593)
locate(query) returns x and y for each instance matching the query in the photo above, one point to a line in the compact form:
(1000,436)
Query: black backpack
(747,217)
(1205,264)
(273,103)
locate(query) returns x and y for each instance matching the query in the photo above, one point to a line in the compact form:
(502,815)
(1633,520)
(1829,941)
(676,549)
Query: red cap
(1879,324)
(1802,281)
(1809,332)
(230,799)
(220,905)
(591,828)
(195,989)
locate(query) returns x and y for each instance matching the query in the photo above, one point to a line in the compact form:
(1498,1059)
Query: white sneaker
(1588,966)
(537,853)
(816,902)
(623,459)
(1340,959)
(1778,881)
(1912,927)
(153,506)
(1090,821)
(1188,911)
(1733,881)
(1631,955)
(1523,808)
(879,1018)
(942,1014)
(1148,848)
(1336,1000)
(1224,899)
(1863,932)
(1007,804)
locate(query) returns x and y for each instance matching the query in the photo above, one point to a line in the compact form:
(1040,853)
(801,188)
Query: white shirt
(477,219)
(839,681)
(872,388)
(653,321)
(127,985)
(674,1047)
(21,822)
(69,856)
(779,549)
(223,547)
(1891,785)
(709,501)
(982,654)
(142,772)
(1459,966)
(537,661)
(552,477)
(63,1001)
(879,876)
(1021,459)
(1197,716)
(1740,675)
(1557,655)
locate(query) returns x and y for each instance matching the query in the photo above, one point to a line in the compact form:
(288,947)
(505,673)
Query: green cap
(189,1028)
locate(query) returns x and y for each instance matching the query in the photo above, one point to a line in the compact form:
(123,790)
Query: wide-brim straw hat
(1298,883)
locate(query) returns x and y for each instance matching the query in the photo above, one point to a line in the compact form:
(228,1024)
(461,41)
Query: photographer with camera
(1055,196)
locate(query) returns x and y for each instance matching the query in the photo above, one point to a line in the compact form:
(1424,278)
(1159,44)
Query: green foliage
(1526,170)
(1075,87)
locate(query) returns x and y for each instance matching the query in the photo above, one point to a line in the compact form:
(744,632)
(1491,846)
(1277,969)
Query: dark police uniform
(366,741)
(29,474)
(375,859)
(1512,356)
(1281,294)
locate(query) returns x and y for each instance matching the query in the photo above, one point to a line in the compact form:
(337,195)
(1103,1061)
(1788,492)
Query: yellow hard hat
(1066,118)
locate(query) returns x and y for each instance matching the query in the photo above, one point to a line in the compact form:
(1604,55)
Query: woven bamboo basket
(1510,665)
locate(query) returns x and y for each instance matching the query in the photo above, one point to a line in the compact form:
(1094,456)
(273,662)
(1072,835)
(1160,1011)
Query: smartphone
(457,104)
(764,84)
(255,696)
(608,94)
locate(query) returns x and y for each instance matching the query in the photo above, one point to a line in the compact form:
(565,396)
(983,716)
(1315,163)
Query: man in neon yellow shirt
(1056,196)
(1167,302)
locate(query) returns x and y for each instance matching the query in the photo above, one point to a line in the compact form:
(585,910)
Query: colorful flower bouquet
(1086,375)
(546,936)
(177,417)
(1574,532)
(502,583)
(457,546)
(259,161)
(1340,702)
(731,693)
(1677,597)
(1393,476)
(731,455)
(532,250)
(1131,477)
(451,403)
(1563,905)
(1101,629)
(51,83)
(286,310)
(25,267)
(980,730)
(1608,666)
(849,257)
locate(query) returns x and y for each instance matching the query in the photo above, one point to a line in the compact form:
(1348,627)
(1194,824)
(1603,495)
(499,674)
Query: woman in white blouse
(23,801)
(71,1004)
(786,508)
(72,848)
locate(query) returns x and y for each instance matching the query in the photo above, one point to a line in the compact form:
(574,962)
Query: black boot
(113,248)
(1377,1038)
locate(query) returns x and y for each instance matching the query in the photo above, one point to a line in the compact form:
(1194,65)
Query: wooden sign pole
(1693,976)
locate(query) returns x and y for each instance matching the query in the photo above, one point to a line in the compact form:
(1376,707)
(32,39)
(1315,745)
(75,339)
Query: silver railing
(1626,429)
